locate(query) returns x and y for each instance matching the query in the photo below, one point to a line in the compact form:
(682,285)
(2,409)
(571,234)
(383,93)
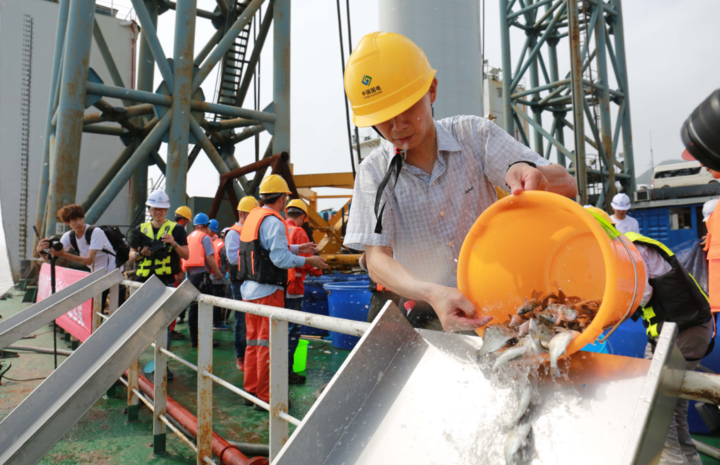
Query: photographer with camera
(158,245)
(91,243)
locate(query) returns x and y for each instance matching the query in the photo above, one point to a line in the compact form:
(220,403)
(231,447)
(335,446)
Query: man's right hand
(455,311)
(316,262)
(145,251)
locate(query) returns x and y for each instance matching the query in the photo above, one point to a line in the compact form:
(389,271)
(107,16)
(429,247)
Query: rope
(347,108)
(357,133)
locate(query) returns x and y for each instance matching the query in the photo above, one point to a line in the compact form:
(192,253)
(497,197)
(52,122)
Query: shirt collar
(446,142)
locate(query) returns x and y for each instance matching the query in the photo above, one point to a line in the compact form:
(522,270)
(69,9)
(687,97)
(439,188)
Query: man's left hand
(308,248)
(523,177)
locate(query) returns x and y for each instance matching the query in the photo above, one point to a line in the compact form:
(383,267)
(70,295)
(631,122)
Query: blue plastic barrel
(316,299)
(350,301)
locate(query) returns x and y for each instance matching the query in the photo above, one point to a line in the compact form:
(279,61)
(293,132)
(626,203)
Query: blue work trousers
(240,328)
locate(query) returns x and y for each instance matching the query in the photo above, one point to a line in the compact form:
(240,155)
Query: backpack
(116,238)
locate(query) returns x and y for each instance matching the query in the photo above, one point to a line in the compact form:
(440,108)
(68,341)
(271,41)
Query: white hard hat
(621,202)
(708,208)
(158,199)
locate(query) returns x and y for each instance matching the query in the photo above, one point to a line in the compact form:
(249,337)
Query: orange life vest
(712,246)
(296,276)
(196,249)
(218,244)
(254,262)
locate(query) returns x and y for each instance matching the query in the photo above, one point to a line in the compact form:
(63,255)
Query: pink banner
(77,321)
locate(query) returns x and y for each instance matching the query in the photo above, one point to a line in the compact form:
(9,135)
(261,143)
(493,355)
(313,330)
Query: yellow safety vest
(158,267)
(694,302)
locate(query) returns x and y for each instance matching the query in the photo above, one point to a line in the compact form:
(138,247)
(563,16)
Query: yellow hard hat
(185,212)
(247,204)
(274,184)
(600,212)
(386,74)
(297,203)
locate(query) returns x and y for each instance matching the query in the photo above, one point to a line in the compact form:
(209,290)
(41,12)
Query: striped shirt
(427,216)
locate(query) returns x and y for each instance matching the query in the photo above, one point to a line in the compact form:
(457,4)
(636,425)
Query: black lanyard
(396,163)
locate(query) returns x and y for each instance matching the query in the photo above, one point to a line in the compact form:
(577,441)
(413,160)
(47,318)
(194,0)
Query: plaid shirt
(427,216)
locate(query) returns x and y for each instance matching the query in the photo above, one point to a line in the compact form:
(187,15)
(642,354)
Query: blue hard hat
(214,225)
(201,218)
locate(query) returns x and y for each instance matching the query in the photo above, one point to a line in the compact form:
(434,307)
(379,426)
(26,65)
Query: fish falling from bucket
(548,324)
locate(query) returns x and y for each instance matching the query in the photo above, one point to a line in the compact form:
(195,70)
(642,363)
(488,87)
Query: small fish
(558,344)
(524,328)
(516,441)
(528,306)
(564,312)
(495,337)
(511,354)
(549,317)
(516,320)
(540,335)
(523,405)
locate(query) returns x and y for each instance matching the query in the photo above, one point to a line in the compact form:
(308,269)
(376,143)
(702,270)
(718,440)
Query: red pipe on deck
(227,453)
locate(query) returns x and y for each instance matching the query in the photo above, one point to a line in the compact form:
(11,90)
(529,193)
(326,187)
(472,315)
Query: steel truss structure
(594,33)
(175,111)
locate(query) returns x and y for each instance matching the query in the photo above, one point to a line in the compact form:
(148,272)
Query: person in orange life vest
(219,283)
(183,215)
(264,261)
(711,242)
(232,248)
(198,267)
(296,216)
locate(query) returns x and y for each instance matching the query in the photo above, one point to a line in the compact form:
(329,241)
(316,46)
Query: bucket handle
(627,313)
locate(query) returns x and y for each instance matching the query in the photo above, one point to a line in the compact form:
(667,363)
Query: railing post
(278,384)
(113,297)
(133,406)
(97,309)
(204,386)
(160,380)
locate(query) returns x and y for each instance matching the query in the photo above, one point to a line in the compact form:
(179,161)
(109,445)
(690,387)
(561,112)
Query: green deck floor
(105,436)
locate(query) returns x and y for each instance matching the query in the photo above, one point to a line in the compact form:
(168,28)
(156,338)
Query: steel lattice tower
(172,111)
(593,30)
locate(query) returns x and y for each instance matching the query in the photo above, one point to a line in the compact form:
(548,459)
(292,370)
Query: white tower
(448,31)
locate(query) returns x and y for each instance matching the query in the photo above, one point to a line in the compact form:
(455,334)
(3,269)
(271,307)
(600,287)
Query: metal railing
(278,405)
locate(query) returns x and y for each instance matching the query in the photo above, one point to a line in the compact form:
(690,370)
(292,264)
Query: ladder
(234,60)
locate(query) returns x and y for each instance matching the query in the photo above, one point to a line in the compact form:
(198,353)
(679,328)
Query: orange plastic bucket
(539,241)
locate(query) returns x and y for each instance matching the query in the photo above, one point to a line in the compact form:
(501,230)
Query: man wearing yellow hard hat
(232,248)
(263,264)
(417,195)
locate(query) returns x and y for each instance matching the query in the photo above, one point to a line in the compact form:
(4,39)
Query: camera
(158,249)
(700,133)
(55,244)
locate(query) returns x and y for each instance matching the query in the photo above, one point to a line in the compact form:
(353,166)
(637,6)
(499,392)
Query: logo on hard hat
(366,80)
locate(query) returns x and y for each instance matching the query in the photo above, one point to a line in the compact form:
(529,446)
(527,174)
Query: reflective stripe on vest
(196,249)
(158,267)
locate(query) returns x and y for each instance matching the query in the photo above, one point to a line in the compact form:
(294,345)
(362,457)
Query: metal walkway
(34,427)
(18,326)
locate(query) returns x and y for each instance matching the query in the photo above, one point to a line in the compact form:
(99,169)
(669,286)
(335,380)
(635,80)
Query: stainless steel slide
(33,428)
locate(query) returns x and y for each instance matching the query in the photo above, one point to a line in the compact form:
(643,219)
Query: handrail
(278,412)
(328,323)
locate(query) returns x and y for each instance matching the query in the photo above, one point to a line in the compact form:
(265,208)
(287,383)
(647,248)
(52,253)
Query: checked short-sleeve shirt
(427,216)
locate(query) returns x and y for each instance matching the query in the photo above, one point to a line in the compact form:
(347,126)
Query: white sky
(671,57)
